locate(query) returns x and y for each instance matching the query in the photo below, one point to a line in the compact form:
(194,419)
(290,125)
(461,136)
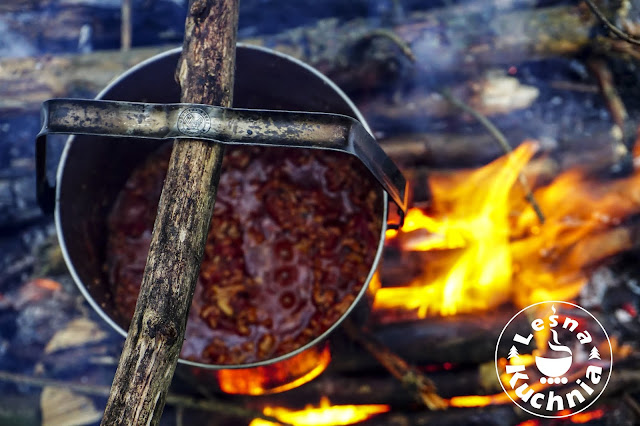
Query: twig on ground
(179,416)
(398,367)
(502,140)
(180,401)
(624,130)
(617,31)
(125,26)
(395,38)
(632,403)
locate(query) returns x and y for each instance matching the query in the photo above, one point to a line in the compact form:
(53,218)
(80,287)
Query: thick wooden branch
(350,53)
(151,351)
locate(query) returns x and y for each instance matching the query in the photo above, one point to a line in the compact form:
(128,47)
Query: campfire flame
(278,377)
(467,231)
(481,244)
(481,240)
(323,415)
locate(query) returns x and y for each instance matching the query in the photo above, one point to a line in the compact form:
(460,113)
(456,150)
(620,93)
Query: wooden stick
(404,47)
(151,351)
(125,26)
(617,31)
(497,134)
(181,401)
(632,403)
(423,387)
(624,131)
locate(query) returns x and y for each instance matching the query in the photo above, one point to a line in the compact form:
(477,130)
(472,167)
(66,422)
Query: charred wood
(463,339)
(26,82)
(442,41)
(422,388)
(488,416)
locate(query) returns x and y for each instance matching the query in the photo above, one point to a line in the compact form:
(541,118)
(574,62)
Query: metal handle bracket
(225,125)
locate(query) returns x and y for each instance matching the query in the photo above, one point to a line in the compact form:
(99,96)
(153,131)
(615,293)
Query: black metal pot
(93,169)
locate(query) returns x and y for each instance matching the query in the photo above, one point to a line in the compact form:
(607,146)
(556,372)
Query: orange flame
(277,377)
(468,224)
(481,240)
(324,415)
(484,400)
(582,229)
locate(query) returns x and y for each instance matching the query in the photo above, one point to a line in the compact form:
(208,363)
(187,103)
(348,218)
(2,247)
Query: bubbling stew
(292,240)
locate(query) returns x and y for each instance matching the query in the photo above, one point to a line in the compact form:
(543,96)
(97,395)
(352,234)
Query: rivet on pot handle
(226,125)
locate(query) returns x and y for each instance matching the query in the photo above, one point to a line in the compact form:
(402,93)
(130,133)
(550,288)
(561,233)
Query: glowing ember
(277,377)
(324,415)
(47,284)
(484,400)
(529,423)
(481,240)
(472,401)
(587,417)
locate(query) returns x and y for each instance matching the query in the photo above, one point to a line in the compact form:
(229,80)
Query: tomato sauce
(292,239)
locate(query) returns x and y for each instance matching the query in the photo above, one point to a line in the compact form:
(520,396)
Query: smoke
(14,45)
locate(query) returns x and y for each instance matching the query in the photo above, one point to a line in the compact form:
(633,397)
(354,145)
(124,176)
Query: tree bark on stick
(155,337)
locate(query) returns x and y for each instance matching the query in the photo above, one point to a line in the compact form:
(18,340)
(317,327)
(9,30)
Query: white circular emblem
(553,359)
(194,121)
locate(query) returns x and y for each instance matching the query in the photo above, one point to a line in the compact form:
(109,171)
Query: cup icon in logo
(553,367)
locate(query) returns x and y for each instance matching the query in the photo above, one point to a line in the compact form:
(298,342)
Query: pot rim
(96,306)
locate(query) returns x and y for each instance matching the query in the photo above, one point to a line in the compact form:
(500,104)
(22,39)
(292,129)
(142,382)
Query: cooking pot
(94,168)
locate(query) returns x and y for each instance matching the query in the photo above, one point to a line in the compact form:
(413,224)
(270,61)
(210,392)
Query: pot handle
(45,191)
(224,125)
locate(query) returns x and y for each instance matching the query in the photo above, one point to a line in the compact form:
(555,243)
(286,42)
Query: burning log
(490,416)
(422,153)
(482,409)
(360,386)
(554,258)
(447,335)
(325,414)
(463,339)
